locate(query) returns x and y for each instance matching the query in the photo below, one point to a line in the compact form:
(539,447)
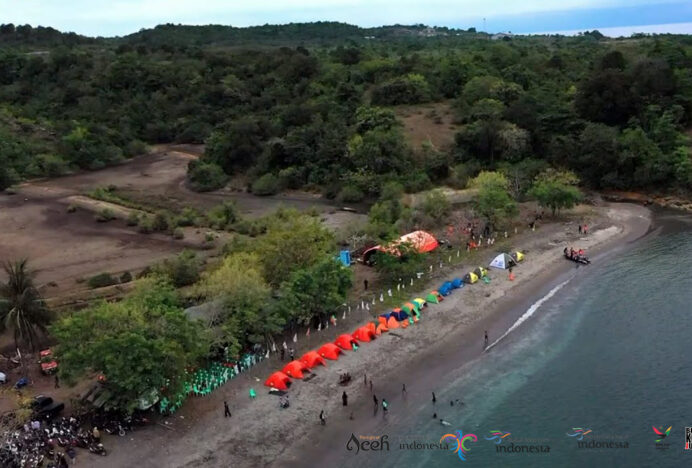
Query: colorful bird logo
(661,435)
(579,432)
(497,436)
(460,440)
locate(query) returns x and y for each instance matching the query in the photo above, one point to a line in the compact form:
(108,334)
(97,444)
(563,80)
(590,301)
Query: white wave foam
(529,312)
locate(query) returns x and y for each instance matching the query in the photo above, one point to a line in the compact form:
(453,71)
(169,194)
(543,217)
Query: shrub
(183,270)
(350,194)
(132,218)
(187,217)
(223,216)
(160,222)
(436,206)
(146,225)
(268,184)
(205,177)
(102,280)
(178,233)
(105,215)
(126,277)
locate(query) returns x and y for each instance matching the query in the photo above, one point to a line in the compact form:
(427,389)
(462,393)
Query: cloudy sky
(119,17)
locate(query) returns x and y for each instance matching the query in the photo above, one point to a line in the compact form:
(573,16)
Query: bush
(178,233)
(436,206)
(146,225)
(125,277)
(187,217)
(268,184)
(132,218)
(102,280)
(105,215)
(223,216)
(205,177)
(183,270)
(350,194)
(417,182)
(160,222)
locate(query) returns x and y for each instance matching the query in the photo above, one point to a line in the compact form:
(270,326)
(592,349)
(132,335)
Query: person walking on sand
(365,379)
(403,389)
(371,385)
(283,353)
(323,420)
(344,399)
(57,381)
(385,406)
(586,229)
(365,284)
(226,410)
(374,398)
(485,340)
(434,398)
(580,229)
(292,353)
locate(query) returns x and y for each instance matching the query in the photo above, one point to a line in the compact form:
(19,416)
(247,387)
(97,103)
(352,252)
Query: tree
(293,241)
(406,264)
(140,344)
(556,190)
(316,291)
(436,205)
(493,201)
(22,310)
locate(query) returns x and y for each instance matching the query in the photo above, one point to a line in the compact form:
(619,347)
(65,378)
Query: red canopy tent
(312,359)
(371,326)
(329,351)
(278,380)
(295,369)
(345,341)
(392,322)
(364,334)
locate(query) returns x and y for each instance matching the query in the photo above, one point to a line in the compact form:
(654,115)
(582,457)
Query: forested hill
(314,105)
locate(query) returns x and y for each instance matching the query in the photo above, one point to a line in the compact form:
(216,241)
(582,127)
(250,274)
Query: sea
(597,371)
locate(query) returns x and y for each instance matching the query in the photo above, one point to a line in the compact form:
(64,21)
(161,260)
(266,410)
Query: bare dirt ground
(425,122)
(65,247)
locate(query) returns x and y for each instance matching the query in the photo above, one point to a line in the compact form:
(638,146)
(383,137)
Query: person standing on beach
(283,353)
(371,385)
(344,399)
(385,406)
(403,389)
(365,284)
(434,398)
(586,229)
(365,379)
(323,420)
(292,353)
(580,229)
(374,398)
(485,340)
(226,410)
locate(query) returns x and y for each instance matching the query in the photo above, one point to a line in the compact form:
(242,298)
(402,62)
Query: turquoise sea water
(610,351)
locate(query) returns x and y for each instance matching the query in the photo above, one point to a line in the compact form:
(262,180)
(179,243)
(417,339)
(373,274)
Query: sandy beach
(449,335)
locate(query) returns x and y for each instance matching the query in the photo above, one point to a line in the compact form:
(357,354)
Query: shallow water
(608,352)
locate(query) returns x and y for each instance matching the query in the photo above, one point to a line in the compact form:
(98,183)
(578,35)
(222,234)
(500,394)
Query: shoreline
(463,345)
(449,334)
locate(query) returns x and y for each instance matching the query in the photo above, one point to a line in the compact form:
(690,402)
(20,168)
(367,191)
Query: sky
(121,17)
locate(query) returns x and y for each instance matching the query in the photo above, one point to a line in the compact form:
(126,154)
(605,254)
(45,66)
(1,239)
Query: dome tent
(312,359)
(278,380)
(329,351)
(409,308)
(503,261)
(457,283)
(400,315)
(295,369)
(345,341)
(392,323)
(364,334)
(518,256)
(433,297)
(480,272)
(470,278)
(420,302)
(445,289)
(381,328)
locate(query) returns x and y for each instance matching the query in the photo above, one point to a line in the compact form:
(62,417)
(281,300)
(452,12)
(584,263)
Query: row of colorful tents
(400,317)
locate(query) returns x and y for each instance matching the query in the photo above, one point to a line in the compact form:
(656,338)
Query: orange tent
(392,322)
(404,323)
(329,351)
(295,369)
(381,328)
(371,326)
(382,320)
(311,359)
(364,334)
(278,380)
(345,341)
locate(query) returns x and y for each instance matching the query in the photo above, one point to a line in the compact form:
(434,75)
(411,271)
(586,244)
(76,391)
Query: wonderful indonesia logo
(516,445)
(459,443)
(661,435)
(609,441)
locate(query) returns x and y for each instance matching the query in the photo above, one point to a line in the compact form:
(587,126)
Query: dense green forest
(309,105)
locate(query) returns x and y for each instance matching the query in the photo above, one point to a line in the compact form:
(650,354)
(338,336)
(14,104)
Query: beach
(448,335)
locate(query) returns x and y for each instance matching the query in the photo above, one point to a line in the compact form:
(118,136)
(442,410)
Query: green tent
(432,298)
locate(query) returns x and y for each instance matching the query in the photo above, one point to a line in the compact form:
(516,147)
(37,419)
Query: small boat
(579,259)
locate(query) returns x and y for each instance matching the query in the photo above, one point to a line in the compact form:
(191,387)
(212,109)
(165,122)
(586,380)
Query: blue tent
(457,283)
(386,316)
(401,315)
(445,289)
